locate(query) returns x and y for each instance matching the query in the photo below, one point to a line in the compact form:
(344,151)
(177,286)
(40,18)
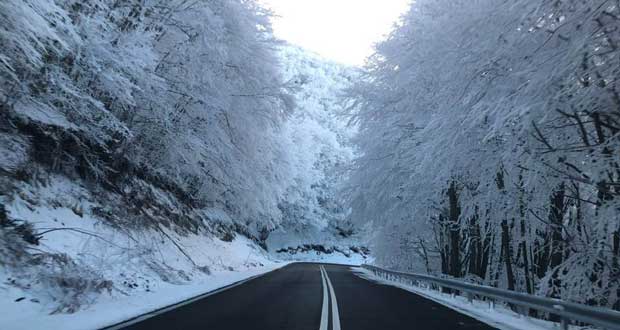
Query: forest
(481,141)
(153,142)
(489,133)
(159,90)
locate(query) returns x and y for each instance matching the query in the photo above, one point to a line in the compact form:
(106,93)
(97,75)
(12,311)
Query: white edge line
(162,310)
(335,314)
(324,310)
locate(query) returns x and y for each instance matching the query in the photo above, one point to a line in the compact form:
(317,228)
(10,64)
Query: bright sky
(341,30)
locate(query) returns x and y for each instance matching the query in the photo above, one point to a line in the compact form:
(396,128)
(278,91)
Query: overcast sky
(342,30)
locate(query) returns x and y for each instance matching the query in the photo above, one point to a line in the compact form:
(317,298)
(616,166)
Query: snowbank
(87,273)
(112,309)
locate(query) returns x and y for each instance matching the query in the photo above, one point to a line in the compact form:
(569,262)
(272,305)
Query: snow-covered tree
(489,129)
(318,141)
(184,94)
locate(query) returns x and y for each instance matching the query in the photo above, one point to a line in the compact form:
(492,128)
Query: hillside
(143,151)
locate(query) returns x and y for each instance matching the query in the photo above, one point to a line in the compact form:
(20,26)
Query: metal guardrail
(567,311)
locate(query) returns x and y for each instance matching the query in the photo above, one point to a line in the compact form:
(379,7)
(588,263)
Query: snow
(14,151)
(89,268)
(110,310)
(204,113)
(67,208)
(157,152)
(500,122)
(328,258)
(489,144)
(498,316)
(319,150)
(146,270)
(42,113)
(214,149)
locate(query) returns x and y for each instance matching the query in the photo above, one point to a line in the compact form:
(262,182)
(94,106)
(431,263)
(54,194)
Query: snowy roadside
(499,316)
(354,259)
(84,273)
(110,310)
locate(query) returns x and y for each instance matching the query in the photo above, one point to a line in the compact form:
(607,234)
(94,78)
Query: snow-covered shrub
(15,152)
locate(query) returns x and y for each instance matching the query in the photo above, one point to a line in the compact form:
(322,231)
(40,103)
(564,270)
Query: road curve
(314,297)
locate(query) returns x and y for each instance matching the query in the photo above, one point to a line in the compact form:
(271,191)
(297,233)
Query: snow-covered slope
(81,263)
(135,156)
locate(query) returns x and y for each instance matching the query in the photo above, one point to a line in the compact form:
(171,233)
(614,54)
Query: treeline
(181,95)
(490,133)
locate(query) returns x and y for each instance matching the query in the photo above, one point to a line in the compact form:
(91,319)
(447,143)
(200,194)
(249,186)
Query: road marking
(335,314)
(162,310)
(324,311)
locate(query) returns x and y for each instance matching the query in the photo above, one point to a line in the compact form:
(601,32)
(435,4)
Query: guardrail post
(563,319)
(470,297)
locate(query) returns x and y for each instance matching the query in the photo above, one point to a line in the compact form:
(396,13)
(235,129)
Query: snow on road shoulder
(499,316)
(330,258)
(111,309)
(85,273)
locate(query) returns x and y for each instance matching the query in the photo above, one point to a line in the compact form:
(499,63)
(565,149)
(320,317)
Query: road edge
(475,314)
(167,308)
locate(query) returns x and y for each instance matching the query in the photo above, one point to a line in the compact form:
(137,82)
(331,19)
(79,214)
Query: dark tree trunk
(556,244)
(479,248)
(510,276)
(524,250)
(506,243)
(454,213)
(443,245)
(556,217)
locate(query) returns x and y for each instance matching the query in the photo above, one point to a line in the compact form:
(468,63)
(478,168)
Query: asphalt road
(311,296)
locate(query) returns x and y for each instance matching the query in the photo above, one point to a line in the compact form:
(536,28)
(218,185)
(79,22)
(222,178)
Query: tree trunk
(556,217)
(454,212)
(510,276)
